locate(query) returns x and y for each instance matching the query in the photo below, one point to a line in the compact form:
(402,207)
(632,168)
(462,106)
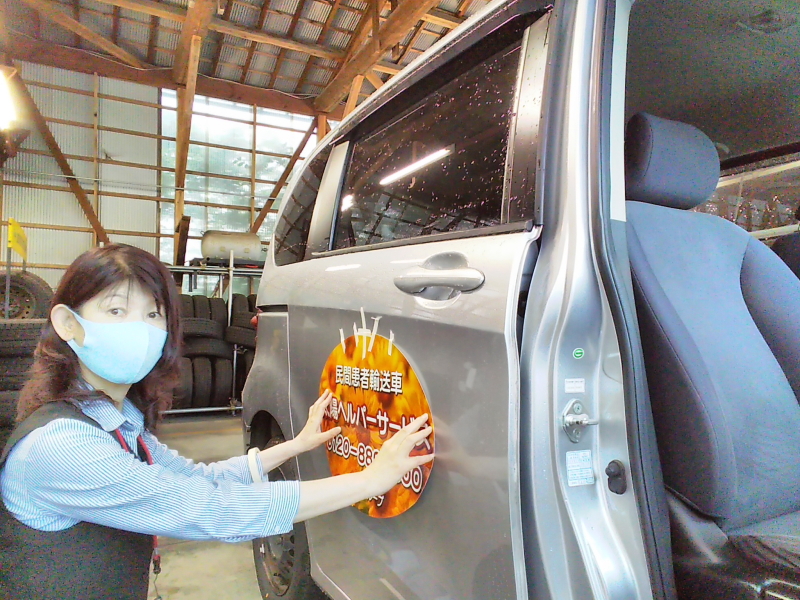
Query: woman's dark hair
(56,375)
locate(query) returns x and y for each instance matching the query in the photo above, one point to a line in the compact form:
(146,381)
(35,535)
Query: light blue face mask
(119,352)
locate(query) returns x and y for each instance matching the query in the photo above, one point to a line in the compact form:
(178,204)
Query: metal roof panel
(229,72)
(98,6)
(277,23)
(337,40)
(244,15)
(317,11)
(284,6)
(307,32)
(257,79)
(134,31)
(346,19)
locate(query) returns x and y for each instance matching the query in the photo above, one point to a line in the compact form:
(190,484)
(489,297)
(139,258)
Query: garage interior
(152,122)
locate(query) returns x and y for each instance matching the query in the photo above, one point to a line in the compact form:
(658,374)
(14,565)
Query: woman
(85,484)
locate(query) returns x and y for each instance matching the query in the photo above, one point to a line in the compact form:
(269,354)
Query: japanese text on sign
(389,382)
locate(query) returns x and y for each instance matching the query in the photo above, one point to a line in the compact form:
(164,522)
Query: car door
(422,261)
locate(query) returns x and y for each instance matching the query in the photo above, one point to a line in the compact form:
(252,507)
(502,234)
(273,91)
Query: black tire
(29,296)
(240,304)
(283,567)
(5,433)
(202,380)
(249,357)
(219,311)
(202,307)
(18,337)
(207,347)
(183,393)
(241,336)
(223,382)
(202,328)
(251,302)
(14,372)
(243,319)
(8,408)
(21,329)
(187,306)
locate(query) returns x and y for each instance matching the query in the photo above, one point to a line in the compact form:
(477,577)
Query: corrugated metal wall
(35,192)
(119,139)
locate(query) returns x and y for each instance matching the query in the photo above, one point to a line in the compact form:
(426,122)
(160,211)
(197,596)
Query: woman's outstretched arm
(393,461)
(309,438)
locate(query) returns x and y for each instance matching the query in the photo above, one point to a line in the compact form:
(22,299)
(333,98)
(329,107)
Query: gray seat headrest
(668,163)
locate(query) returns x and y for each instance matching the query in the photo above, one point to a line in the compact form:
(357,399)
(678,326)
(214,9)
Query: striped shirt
(69,471)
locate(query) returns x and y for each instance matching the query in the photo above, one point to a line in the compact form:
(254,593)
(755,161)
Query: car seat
(787,248)
(717,311)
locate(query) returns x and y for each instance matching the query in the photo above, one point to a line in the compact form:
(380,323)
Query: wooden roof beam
(443,18)
(195,26)
(262,214)
(282,53)
(185,104)
(373,78)
(151,40)
(226,16)
(262,18)
(82,61)
(53,12)
(392,32)
(321,37)
(32,112)
(166,11)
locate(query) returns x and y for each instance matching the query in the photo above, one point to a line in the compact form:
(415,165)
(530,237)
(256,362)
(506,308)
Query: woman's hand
(394,460)
(312,435)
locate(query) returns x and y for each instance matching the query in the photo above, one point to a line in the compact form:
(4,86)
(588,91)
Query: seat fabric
(726,416)
(718,318)
(773,542)
(788,248)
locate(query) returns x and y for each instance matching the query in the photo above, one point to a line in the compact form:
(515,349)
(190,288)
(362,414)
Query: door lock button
(617,482)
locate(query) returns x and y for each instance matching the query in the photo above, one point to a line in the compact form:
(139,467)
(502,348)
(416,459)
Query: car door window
(439,166)
(291,232)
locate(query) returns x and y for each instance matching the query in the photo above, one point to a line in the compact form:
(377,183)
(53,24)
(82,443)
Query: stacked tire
(18,340)
(207,363)
(242,334)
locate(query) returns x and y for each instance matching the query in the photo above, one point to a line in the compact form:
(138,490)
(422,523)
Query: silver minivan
(514,235)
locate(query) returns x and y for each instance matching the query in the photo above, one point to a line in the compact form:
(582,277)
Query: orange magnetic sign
(377,393)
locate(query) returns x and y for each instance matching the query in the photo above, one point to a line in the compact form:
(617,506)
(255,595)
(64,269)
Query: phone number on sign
(342,446)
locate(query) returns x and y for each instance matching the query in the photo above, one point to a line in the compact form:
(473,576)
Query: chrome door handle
(463,279)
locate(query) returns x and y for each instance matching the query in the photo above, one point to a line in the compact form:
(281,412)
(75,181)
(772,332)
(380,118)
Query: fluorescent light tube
(416,166)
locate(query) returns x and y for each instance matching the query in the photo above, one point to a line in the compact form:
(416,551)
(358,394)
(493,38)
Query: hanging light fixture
(11,135)
(7,112)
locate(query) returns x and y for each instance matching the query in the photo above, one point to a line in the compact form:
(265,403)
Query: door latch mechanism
(574,420)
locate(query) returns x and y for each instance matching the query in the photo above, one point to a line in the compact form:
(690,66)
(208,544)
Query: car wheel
(29,296)
(283,567)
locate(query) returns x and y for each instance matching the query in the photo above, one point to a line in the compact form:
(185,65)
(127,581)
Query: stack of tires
(207,363)
(18,340)
(207,370)
(242,333)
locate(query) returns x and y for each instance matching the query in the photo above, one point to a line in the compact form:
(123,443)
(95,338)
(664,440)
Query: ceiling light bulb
(7,112)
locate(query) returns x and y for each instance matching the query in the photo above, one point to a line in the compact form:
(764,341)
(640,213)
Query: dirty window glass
(759,197)
(438,167)
(291,232)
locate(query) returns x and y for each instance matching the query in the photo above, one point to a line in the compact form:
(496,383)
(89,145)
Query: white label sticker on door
(575,386)
(579,468)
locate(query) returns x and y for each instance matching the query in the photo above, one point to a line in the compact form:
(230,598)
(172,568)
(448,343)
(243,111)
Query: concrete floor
(205,570)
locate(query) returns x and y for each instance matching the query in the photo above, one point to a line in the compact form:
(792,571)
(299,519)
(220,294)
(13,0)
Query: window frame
(512,22)
(523,130)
